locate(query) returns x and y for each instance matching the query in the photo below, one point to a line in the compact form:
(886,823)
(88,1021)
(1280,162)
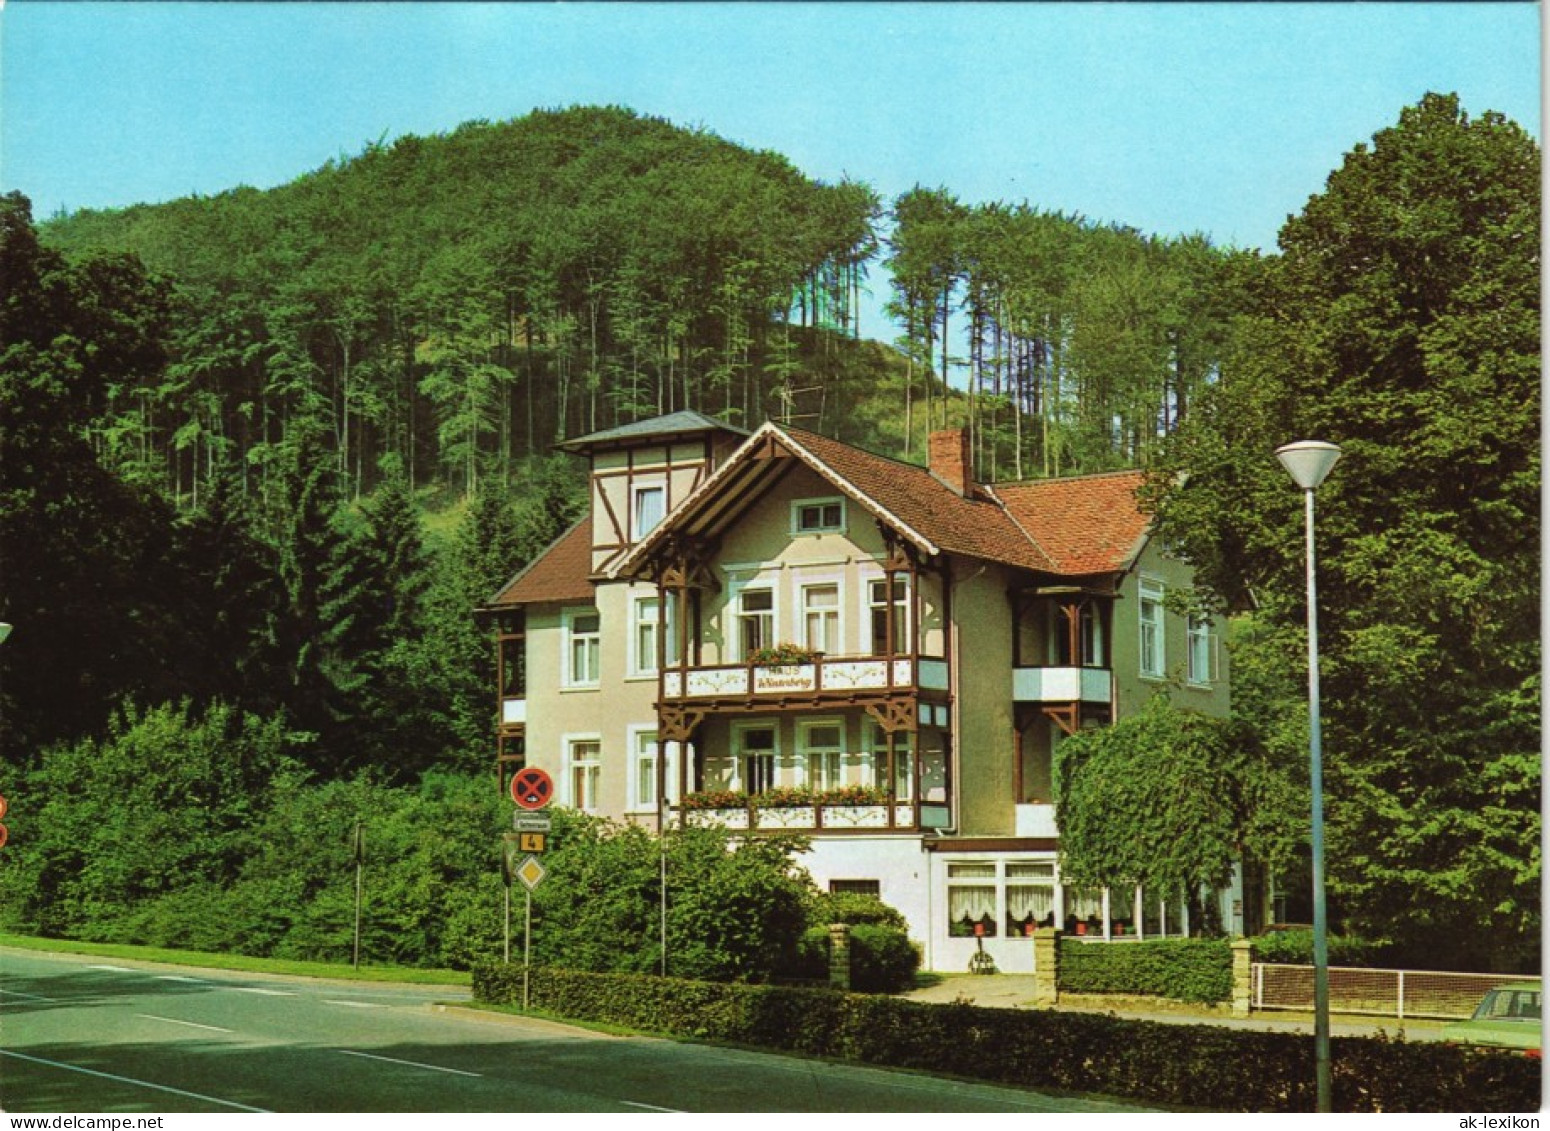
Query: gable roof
(1076,526)
(561,573)
(1085,523)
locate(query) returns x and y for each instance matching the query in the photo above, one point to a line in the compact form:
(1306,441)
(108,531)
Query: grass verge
(242,962)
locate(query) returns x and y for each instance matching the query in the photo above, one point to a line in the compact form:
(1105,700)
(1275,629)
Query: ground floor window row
(989,899)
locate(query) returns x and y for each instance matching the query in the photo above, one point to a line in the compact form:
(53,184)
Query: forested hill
(462,301)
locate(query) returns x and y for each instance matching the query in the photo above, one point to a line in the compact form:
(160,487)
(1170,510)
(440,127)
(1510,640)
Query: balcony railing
(805,818)
(1061,685)
(821,675)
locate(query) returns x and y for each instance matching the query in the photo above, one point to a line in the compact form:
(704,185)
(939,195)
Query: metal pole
(506,953)
(360,863)
(527,947)
(1321,1067)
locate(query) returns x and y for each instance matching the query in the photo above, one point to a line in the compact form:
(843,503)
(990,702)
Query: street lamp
(1309,461)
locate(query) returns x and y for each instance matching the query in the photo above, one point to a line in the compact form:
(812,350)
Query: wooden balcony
(822,678)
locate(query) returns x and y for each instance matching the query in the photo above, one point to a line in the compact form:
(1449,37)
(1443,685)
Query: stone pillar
(1242,976)
(1046,965)
(839,955)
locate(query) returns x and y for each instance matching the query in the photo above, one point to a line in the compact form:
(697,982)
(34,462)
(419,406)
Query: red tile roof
(1073,527)
(977,527)
(560,573)
(1085,524)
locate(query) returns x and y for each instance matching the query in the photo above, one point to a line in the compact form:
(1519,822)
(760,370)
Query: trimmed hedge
(1212,1067)
(1295,948)
(1195,970)
(882,960)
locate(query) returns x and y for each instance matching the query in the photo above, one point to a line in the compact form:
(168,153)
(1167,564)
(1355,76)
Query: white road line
(34,997)
(113,969)
(266,993)
(358,1004)
(181,978)
(410,1063)
(136,1083)
(654,1107)
(190,1024)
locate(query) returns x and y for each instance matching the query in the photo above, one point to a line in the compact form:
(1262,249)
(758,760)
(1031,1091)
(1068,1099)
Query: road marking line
(114,969)
(181,978)
(34,997)
(410,1063)
(654,1107)
(130,1080)
(190,1024)
(359,1004)
(266,993)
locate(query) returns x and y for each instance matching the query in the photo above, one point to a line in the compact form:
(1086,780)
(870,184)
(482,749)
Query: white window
(650,506)
(903,762)
(1202,650)
(645,750)
(583,768)
(883,610)
(821,618)
(756,750)
(583,644)
(818,516)
(972,891)
(821,745)
(755,620)
(1153,655)
(646,625)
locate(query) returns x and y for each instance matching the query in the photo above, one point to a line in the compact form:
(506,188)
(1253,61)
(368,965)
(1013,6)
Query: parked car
(1507,1017)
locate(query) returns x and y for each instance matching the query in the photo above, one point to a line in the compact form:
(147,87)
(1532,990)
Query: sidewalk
(1015,991)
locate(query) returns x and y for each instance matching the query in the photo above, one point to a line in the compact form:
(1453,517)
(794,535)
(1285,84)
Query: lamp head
(1308,461)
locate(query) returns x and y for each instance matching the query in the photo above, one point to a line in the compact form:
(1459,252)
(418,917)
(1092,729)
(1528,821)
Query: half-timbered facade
(779,631)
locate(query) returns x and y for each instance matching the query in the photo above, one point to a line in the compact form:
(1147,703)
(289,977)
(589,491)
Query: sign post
(358,844)
(531,789)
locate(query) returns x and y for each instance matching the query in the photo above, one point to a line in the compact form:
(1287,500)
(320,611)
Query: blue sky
(1220,118)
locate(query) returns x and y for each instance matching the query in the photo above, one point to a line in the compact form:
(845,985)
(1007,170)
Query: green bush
(882,959)
(1196,970)
(1295,948)
(855,909)
(1201,1066)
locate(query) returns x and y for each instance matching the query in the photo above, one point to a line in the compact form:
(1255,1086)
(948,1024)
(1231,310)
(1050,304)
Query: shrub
(1201,1066)
(1295,948)
(882,959)
(855,909)
(1197,970)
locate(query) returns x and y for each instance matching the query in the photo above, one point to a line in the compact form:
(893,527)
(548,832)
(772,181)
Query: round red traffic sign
(2,805)
(532,788)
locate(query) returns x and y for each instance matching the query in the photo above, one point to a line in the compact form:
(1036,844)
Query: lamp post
(1308,462)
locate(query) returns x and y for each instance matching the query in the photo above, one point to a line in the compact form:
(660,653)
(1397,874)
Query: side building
(779,631)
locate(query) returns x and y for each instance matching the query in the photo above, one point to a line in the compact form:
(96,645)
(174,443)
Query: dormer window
(818,516)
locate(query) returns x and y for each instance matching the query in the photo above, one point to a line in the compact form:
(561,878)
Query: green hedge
(1196,970)
(1211,1067)
(1295,948)
(882,959)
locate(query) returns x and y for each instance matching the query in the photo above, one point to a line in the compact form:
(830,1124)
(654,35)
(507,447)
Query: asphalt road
(80,1034)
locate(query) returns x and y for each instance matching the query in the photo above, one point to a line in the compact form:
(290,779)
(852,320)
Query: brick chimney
(951,461)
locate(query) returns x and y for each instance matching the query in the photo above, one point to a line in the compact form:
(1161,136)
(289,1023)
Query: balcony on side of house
(820,676)
(1062,685)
